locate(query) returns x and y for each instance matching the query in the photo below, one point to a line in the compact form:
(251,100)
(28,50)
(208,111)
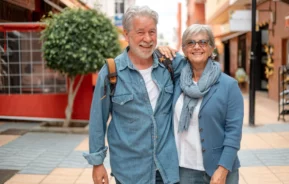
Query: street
(55,158)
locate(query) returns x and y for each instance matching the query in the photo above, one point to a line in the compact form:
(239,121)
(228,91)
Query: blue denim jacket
(141,140)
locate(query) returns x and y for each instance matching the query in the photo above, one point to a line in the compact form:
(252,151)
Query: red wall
(48,105)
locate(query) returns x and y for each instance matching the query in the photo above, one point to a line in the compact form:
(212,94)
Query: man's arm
(178,64)
(167,51)
(99,113)
(178,60)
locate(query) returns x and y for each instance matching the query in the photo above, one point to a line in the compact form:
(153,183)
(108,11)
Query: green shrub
(77,42)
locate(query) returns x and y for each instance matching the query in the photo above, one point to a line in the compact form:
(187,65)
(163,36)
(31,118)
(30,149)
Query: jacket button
(203,150)
(201,129)
(200,116)
(202,140)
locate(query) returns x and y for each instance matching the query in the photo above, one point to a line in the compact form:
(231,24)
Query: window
(119,7)
(22,68)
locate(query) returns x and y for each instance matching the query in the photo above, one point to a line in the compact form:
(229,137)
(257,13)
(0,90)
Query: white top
(152,88)
(188,142)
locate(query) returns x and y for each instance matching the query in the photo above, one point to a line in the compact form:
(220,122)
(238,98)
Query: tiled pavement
(55,158)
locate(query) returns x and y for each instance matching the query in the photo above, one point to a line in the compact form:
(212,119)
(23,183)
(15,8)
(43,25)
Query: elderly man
(140,135)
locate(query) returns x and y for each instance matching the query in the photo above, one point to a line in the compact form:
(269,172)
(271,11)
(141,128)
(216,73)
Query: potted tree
(77,42)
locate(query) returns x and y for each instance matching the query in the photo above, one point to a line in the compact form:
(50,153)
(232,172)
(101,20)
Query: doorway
(287,48)
(227,57)
(285,51)
(242,52)
(262,40)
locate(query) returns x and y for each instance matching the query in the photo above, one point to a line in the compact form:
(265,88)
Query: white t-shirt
(151,87)
(188,142)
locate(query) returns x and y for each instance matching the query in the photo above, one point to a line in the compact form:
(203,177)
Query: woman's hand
(219,176)
(167,51)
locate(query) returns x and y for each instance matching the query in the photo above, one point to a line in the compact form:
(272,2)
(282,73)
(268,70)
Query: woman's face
(198,49)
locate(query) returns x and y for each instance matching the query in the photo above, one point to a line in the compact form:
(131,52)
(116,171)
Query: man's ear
(125,34)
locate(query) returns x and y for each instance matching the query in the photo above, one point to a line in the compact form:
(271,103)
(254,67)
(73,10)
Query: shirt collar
(127,62)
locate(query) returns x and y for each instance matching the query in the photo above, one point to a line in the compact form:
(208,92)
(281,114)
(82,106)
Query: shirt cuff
(228,157)
(95,158)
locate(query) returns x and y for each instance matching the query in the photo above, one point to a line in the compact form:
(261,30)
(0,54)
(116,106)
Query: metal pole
(252,68)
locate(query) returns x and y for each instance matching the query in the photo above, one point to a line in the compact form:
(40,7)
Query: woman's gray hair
(195,29)
(134,11)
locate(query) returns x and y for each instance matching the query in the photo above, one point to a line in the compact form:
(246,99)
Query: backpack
(112,73)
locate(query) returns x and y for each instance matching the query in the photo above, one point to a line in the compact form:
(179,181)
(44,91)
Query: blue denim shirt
(141,140)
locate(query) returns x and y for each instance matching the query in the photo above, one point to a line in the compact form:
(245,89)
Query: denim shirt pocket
(123,106)
(124,115)
(122,99)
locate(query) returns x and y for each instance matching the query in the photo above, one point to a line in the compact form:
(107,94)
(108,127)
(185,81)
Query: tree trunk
(70,101)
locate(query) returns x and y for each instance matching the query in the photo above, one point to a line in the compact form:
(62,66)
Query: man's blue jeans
(191,176)
(159,179)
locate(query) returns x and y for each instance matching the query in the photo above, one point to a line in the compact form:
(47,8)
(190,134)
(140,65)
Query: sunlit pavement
(55,158)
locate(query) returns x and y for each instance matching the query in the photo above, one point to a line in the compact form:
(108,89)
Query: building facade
(231,22)
(29,90)
(195,12)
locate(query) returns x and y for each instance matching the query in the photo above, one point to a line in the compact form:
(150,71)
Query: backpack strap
(167,62)
(112,74)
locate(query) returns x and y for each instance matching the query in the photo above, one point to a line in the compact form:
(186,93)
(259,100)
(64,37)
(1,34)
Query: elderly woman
(208,114)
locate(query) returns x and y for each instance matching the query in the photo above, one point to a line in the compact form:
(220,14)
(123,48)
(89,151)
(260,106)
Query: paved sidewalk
(55,158)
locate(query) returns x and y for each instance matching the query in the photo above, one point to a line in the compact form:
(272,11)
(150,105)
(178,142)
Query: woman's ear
(212,50)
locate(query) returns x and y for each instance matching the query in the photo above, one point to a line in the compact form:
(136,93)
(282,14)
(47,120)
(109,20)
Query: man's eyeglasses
(201,43)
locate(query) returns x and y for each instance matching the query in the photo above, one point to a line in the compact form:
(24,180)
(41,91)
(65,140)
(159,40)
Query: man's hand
(219,176)
(167,51)
(99,174)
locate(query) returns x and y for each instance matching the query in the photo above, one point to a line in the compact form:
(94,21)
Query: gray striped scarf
(192,92)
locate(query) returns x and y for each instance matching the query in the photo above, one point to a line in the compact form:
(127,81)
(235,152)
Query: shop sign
(118,19)
(240,20)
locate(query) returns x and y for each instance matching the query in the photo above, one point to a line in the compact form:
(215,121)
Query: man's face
(142,37)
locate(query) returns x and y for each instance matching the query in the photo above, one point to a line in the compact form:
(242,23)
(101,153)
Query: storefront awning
(232,35)
(24,4)
(68,3)
(74,4)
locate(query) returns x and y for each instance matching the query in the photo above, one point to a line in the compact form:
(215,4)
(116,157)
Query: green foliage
(78,41)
